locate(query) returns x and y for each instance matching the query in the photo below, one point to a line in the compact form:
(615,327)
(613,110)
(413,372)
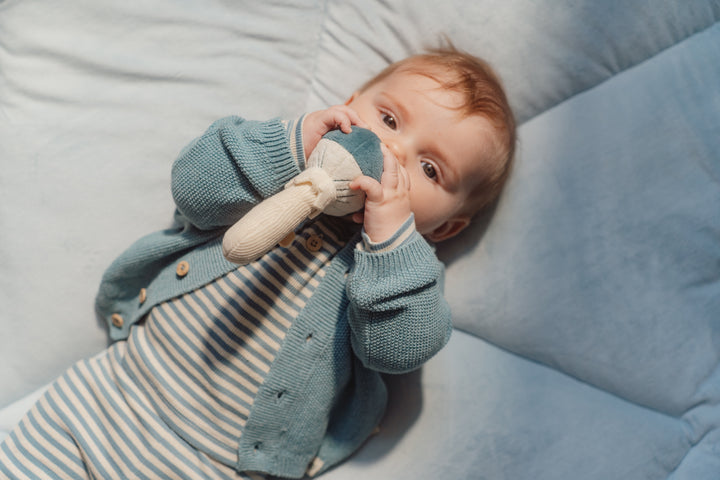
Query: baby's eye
(389,120)
(429,170)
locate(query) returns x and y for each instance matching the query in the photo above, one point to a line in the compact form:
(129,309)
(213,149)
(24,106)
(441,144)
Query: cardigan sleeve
(234,165)
(397,312)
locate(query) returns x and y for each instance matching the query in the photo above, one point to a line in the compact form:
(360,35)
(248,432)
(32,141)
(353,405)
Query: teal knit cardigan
(372,312)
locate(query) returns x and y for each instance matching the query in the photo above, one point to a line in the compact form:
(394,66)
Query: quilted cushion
(546,51)
(603,259)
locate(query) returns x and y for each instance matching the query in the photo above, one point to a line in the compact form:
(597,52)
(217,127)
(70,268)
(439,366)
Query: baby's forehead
(425,66)
(472,151)
(460,99)
(446,78)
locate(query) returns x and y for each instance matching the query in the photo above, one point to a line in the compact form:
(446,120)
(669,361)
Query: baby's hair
(484,95)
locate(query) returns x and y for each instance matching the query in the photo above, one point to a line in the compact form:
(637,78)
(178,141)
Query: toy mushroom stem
(275,217)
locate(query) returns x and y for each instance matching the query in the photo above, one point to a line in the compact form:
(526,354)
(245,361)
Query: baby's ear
(449,229)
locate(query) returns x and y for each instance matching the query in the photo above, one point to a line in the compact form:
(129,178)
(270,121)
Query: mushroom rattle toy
(322,187)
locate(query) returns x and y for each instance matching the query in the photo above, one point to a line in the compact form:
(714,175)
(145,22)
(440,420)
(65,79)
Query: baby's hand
(317,124)
(387,203)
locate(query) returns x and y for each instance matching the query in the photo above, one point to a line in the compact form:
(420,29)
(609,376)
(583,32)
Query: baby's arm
(234,165)
(398,316)
(220,176)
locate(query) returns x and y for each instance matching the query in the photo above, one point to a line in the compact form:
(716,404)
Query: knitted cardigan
(372,312)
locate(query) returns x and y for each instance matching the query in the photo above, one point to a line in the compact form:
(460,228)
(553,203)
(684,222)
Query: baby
(272,369)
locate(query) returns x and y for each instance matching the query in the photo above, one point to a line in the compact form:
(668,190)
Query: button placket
(117,320)
(182,269)
(288,240)
(314,242)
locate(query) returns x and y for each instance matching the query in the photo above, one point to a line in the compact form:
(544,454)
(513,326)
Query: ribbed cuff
(295,140)
(411,266)
(400,237)
(272,135)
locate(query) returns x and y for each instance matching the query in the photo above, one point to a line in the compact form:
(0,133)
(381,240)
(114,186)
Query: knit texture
(372,311)
(268,223)
(253,149)
(379,287)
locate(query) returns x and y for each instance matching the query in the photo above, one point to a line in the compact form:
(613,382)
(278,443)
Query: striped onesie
(222,371)
(172,400)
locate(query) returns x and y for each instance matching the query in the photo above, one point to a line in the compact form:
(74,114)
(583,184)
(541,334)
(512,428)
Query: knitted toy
(322,187)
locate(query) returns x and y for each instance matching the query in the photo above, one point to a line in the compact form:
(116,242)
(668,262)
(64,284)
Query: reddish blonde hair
(484,95)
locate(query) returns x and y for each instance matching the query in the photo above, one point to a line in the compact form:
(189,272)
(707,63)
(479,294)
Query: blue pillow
(603,257)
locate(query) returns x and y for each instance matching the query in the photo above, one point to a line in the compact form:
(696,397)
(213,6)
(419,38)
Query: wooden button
(288,240)
(143,296)
(314,243)
(182,268)
(117,320)
(314,467)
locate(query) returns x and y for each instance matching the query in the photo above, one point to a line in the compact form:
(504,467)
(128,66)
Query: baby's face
(442,150)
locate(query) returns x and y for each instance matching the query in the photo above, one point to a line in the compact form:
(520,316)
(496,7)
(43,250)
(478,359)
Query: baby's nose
(396,150)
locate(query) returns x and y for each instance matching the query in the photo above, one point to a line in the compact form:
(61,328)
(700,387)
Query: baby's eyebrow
(395,104)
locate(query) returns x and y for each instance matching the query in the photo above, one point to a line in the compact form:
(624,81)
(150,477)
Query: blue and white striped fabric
(172,401)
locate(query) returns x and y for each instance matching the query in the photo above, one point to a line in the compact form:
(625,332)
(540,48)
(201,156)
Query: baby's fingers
(354,117)
(394,174)
(372,188)
(345,117)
